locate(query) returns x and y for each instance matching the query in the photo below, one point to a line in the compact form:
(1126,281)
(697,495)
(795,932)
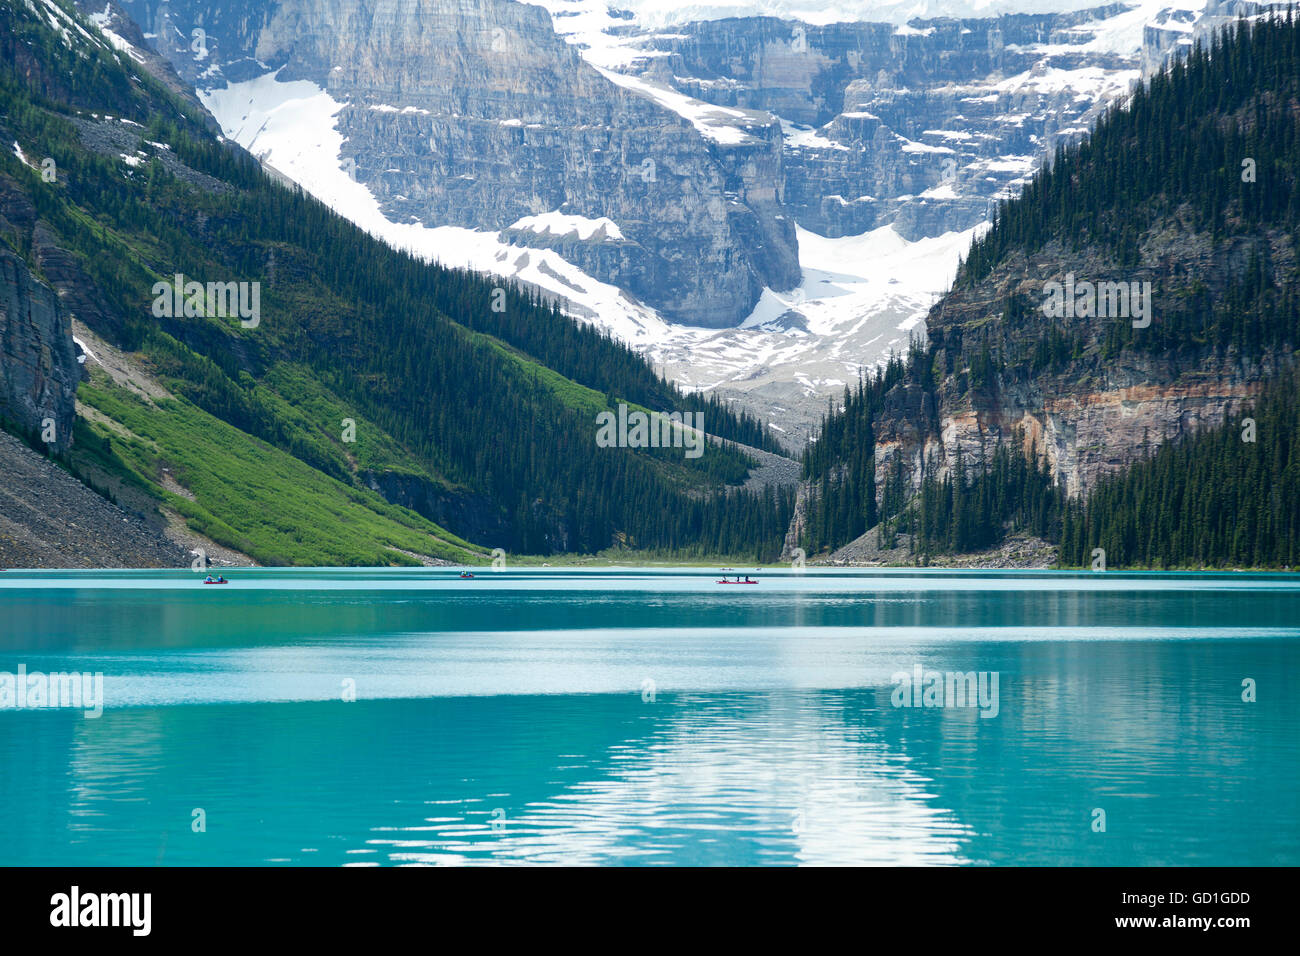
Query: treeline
(973,508)
(1209,146)
(840,465)
(1227,496)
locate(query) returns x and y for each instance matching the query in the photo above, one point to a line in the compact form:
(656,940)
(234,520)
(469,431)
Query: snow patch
(558,224)
(802,137)
(718,123)
(87,353)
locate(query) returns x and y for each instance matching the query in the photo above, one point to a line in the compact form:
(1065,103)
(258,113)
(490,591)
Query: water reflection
(737,780)
(1155,734)
(510,727)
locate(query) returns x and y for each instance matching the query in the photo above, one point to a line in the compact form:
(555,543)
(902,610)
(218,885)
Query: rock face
(474,113)
(1089,414)
(1088,433)
(922,126)
(38,360)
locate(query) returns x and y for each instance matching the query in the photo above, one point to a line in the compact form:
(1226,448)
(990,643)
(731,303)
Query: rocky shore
(1017,551)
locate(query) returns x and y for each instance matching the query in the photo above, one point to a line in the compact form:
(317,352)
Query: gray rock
(38,360)
(475,113)
(49,519)
(889,115)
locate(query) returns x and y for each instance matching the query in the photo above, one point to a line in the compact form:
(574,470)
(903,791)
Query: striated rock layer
(923,127)
(1094,413)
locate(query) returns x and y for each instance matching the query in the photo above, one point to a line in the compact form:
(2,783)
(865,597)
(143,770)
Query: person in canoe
(466,574)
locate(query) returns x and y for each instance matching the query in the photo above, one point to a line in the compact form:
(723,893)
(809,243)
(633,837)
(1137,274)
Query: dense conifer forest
(1211,148)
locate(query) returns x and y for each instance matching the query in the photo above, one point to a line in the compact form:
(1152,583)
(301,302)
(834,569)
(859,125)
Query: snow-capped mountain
(765,199)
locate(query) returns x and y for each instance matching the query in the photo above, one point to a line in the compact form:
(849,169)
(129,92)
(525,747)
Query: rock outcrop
(39,371)
(1091,413)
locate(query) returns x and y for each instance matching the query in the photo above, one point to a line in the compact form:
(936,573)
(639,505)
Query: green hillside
(486,417)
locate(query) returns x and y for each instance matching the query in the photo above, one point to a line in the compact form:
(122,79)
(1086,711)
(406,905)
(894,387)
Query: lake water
(654,717)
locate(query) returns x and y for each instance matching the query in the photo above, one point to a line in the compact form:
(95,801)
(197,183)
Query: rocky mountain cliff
(39,370)
(921,125)
(1089,410)
(475,114)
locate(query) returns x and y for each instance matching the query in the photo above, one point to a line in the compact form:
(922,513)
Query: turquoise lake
(624,716)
